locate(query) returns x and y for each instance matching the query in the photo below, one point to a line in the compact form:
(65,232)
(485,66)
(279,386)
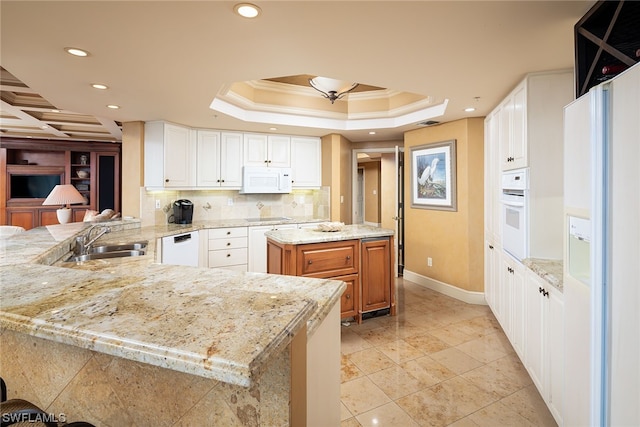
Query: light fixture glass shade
(332,89)
(64,195)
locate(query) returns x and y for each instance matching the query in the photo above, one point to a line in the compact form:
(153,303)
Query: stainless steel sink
(112,251)
(103,255)
(135,246)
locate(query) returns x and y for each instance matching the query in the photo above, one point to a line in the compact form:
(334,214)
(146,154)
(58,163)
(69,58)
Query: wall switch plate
(157,203)
(429,262)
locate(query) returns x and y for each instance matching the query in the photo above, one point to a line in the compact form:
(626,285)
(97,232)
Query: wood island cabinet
(364,265)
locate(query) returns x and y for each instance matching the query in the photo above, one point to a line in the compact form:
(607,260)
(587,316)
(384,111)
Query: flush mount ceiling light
(332,89)
(76,52)
(113,106)
(247,10)
(469,109)
(99,86)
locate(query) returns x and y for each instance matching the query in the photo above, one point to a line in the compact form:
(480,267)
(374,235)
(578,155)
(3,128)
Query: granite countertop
(310,235)
(213,323)
(549,269)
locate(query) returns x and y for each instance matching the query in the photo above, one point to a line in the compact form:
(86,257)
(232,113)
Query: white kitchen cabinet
(267,150)
(258,245)
(169,155)
(491,271)
(308,225)
(208,158)
(512,300)
(219,159)
(306,162)
(492,178)
(544,343)
(228,248)
(513,143)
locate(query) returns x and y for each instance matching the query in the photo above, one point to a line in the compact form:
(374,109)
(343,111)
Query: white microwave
(256,179)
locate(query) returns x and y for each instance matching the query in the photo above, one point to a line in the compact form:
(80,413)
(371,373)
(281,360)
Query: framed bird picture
(433,176)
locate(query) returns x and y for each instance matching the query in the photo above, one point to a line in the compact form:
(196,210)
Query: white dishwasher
(181,249)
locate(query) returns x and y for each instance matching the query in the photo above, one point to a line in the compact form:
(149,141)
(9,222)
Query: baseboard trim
(469,297)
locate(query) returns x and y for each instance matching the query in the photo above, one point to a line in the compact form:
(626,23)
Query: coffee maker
(182,212)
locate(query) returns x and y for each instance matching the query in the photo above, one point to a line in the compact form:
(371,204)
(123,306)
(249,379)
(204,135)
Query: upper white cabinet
(513,142)
(169,155)
(306,162)
(219,159)
(267,150)
(208,158)
(180,157)
(531,120)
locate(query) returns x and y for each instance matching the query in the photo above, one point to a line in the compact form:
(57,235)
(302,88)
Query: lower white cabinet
(258,245)
(228,248)
(513,285)
(544,343)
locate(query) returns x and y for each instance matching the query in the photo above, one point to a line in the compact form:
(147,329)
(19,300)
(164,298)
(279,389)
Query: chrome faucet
(84,242)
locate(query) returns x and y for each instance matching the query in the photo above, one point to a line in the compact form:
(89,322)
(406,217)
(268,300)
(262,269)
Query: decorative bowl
(82,174)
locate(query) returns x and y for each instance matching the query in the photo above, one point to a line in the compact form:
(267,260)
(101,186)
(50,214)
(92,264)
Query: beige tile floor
(439,362)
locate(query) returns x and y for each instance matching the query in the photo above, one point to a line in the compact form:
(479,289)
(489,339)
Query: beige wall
(336,173)
(132,167)
(452,239)
(371,191)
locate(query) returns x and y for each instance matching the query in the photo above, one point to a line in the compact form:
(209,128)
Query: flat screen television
(31,183)
(33,186)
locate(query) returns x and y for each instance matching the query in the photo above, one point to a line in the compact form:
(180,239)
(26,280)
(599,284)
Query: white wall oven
(515,222)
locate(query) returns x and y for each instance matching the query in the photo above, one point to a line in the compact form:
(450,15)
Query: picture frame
(433,176)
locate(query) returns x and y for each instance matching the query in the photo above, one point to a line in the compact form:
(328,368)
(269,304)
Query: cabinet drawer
(228,243)
(219,233)
(349,300)
(227,257)
(328,259)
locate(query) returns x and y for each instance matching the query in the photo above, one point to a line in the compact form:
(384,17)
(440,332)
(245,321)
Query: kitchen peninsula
(359,255)
(128,341)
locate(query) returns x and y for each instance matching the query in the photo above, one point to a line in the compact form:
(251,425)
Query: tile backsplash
(212,205)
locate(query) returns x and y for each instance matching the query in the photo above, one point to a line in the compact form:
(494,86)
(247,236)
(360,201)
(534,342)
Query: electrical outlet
(429,262)
(229,201)
(157,203)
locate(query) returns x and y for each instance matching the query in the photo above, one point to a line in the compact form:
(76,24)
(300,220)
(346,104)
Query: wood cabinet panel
(328,259)
(349,301)
(375,273)
(47,217)
(24,218)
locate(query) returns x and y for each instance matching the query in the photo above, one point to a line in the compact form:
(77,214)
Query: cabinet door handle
(540,289)
(310,262)
(348,257)
(266,161)
(228,255)
(490,246)
(347,296)
(228,243)
(228,232)
(223,180)
(166,180)
(218,181)
(545,293)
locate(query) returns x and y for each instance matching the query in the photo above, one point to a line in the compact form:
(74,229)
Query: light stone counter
(549,269)
(311,235)
(212,323)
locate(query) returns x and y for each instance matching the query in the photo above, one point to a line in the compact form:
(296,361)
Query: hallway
(440,362)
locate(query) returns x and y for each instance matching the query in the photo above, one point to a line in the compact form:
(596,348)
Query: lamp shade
(63,195)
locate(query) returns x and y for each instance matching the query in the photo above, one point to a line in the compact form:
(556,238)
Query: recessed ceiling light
(44,127)
(273,128)
(113,106)
(99,86)
(372,133)
(247,10)
(76,52)
(55,111)
(469,109)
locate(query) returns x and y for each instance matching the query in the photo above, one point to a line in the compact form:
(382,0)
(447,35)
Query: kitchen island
(127,341)
(359,255)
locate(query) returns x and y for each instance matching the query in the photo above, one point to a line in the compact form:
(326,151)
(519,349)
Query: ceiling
(169,60)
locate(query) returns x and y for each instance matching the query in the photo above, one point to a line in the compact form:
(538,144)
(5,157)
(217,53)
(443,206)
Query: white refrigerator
(602,254)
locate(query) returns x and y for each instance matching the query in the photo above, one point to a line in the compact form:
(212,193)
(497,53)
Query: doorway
(390,193)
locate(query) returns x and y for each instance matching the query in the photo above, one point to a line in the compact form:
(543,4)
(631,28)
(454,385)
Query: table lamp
(64,195)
